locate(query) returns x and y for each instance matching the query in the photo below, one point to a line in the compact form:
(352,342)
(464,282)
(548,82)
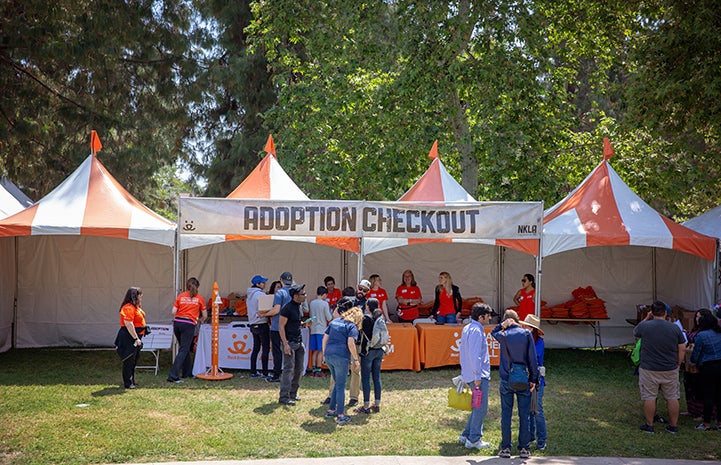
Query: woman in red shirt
(448,304)
(187,308)
(377,292)
(524,297)
(408,295)
(132,329)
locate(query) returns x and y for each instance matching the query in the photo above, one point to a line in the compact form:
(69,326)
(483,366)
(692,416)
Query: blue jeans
(474,428)
(184,333)
(524,407)
(450,318)
(371,366)
(338,366)
(538,421)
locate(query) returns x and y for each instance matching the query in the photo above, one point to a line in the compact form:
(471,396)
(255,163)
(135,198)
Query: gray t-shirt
(659,344)
(321,311)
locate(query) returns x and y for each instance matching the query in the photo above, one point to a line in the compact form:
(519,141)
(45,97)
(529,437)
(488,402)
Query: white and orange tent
(473,263)
(79,249)
(12,199)
(603,235)
(232,260)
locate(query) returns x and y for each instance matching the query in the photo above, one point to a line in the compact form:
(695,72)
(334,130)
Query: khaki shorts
(651,382)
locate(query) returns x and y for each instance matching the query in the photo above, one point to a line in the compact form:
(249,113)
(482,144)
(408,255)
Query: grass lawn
(592,408)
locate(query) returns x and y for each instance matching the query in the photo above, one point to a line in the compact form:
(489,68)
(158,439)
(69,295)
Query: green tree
(68,66)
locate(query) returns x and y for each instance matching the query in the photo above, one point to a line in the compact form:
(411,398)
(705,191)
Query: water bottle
(476,397)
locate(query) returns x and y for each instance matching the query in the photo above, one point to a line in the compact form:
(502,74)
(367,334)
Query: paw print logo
(240,347)
(188,226)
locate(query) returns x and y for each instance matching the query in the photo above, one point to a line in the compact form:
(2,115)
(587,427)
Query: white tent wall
(683,279)
(473,267)
(7,291)
(232,264)
(70,287)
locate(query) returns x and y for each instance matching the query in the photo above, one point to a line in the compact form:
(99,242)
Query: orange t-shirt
(379,294)
(130,312)
(408,312)
(188,307)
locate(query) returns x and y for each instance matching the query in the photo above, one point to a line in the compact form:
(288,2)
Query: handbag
(459,400)
(517,374)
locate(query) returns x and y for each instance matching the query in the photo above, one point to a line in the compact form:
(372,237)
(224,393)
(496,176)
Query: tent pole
(361,259)
(715,273)
(501,253)
(14,335)
(539,268)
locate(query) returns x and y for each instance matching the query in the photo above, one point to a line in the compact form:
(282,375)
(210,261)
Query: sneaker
(256,375)
(541,446)
(480,444)
(352,402)
(505,453)
(702,427)
(330,413)
(273,379)
(646,429)
(343,420)
(671,429)
(176,381)
(524,454)
(365,410)
(462,439)
(326,401)
(375,408)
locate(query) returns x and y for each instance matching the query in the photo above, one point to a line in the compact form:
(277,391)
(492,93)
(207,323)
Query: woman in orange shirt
(187,308)
(377,292)
(132,329)
(524,297)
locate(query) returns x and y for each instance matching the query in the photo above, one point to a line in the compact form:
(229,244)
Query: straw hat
(534,322)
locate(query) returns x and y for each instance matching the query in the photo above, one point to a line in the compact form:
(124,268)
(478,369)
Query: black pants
(129,365)
(184,333)
(711,379)
(261,339)
(277,346)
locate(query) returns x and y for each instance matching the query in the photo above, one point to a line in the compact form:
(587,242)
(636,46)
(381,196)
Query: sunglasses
(363,289)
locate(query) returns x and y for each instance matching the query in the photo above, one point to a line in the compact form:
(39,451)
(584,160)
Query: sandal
(376,408)
(365,410)
(342,420)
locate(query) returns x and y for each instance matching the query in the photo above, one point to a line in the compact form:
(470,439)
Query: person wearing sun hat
(537,424)
(258,327)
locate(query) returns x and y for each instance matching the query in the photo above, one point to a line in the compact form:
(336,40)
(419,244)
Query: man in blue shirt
(476,372)
(282,297)
(516,347)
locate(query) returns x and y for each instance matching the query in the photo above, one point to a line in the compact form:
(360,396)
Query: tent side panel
(71,287)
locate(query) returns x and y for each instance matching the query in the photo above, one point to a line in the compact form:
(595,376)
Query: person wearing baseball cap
(280,298)
(258,327)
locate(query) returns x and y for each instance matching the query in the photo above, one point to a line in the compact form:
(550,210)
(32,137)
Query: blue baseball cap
(257,279)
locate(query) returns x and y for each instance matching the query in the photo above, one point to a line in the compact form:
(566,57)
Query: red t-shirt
(333,297)
(445,304)
(408,312)
(130,312)
(189,308)
(527,306)
(379,294)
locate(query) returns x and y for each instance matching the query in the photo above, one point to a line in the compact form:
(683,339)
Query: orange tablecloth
(404,353)
(440,344)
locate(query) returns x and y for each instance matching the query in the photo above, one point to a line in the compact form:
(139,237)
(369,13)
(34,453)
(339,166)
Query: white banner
(326,218)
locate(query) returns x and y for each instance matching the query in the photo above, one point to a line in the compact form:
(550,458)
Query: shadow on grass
(108,391)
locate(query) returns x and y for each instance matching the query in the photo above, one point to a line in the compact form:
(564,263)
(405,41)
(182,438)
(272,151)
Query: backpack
(380,333)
